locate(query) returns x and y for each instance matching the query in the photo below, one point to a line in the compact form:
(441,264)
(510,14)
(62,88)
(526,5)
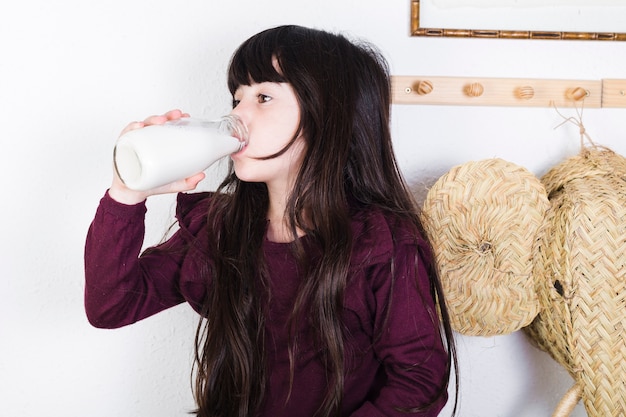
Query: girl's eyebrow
(262,84)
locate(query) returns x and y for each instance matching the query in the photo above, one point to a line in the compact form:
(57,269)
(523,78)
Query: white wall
(73,73)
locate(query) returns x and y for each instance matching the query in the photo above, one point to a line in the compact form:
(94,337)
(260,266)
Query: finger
(186,184)
(175,114)
(132,126)
(193,181)
(157,119)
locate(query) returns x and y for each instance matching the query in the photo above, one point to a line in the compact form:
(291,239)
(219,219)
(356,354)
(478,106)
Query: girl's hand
(120,193)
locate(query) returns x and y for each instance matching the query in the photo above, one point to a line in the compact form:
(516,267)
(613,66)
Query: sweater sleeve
(409,347)
(122,287)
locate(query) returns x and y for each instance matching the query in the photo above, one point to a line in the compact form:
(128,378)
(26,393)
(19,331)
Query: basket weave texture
(482,218)
(580,270)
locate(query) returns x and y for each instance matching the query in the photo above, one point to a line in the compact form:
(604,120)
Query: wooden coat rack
(508,92)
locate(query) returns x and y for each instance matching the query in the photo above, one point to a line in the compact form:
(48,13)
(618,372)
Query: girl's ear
(482,219)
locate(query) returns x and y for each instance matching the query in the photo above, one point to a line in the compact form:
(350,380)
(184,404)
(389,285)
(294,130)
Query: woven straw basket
(580,267)
(549,257)
(482,219)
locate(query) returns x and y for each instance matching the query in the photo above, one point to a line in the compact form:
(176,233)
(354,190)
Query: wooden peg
(423,87)
(474,90)
(576,94)
(525,92)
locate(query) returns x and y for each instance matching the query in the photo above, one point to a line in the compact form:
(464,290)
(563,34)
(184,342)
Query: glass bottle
(156,155)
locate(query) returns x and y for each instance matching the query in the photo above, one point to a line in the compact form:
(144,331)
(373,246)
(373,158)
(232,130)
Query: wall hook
(577,94)
(423,87)
(474,90)
(525,92)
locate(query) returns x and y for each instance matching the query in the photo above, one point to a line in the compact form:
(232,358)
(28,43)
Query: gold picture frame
(417,30)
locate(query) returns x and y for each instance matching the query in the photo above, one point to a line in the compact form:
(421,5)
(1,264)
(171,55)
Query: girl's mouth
(242,149)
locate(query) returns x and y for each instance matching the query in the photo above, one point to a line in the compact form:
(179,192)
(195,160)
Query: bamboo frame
(416,30)
(508,92)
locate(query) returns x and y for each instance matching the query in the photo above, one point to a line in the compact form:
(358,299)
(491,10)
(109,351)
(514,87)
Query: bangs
(254,61)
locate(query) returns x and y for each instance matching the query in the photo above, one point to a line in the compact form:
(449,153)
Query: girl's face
(271,113)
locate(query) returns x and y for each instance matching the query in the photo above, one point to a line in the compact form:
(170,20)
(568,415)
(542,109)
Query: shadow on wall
(548,383)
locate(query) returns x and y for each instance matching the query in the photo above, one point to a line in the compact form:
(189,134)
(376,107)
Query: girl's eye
(261,98)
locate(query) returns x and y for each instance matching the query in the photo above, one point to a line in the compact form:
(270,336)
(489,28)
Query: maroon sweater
(394,355)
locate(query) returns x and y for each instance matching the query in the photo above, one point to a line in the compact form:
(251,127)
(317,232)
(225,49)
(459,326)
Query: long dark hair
(343,90)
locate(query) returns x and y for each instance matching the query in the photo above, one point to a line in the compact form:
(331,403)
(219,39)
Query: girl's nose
(241,115)
(240,112)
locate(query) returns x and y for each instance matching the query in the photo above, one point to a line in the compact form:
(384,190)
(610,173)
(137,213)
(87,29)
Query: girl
(308,266)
